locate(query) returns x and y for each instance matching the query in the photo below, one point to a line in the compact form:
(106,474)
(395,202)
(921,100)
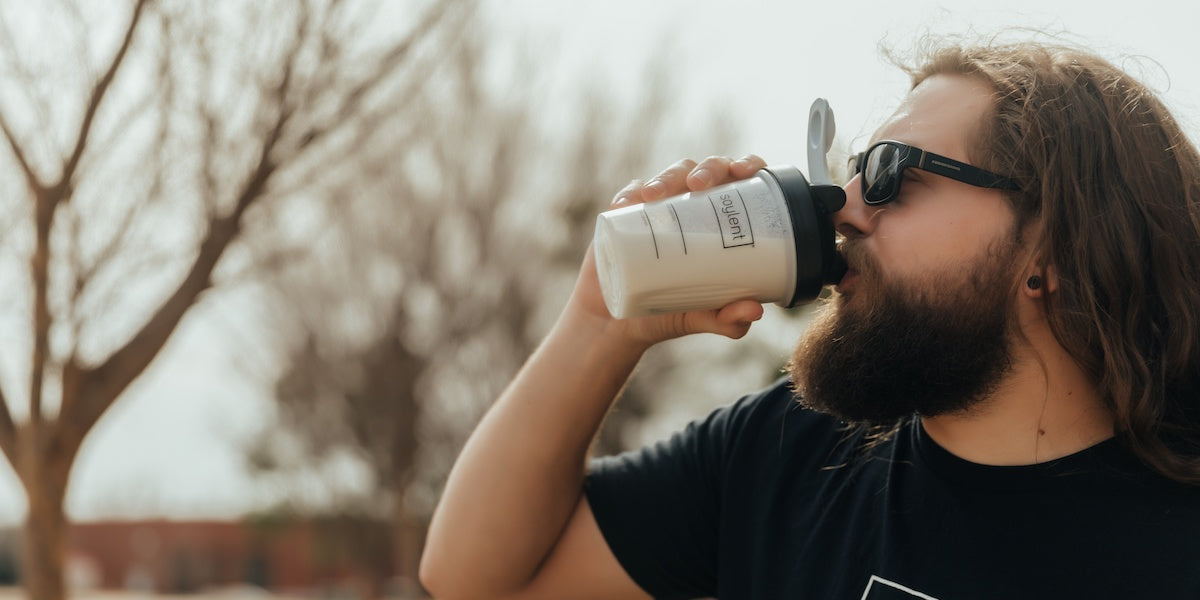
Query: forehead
(940,115)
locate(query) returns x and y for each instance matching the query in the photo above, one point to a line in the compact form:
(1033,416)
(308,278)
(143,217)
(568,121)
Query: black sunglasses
(883,164)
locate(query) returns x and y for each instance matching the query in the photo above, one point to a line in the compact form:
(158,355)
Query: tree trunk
(44,536)
(408,539)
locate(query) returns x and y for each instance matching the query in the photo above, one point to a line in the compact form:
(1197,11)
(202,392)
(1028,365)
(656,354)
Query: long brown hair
(1115,182)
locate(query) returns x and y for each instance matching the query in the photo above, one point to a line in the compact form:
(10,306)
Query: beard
(933,347)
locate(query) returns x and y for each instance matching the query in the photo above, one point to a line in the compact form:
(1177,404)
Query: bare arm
(512,522)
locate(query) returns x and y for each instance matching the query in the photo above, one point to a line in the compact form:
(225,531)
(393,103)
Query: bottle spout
(821,129)
(829,198)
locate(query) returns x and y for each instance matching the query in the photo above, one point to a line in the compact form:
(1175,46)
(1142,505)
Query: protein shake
(768,238)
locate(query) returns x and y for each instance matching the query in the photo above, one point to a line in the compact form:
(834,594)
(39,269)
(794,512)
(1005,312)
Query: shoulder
(769,422)
(758,427)
(777,404)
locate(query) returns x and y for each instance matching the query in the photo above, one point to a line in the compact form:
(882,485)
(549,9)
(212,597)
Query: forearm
(520,474)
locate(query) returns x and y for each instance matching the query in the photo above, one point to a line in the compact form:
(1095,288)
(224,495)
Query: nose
(855,218)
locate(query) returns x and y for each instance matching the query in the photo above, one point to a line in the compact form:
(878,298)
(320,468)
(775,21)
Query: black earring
(1034,283)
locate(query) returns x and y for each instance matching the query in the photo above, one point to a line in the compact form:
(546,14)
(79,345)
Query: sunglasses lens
(881,173)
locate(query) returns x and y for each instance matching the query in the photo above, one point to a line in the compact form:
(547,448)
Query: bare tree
(153,142)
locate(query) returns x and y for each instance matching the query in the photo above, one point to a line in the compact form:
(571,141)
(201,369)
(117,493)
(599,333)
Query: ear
(1050,278)
(1040,279)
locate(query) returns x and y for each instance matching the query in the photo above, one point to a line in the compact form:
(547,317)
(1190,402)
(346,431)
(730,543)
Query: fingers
(630,194)
(670,182)
(746,166)
(686,175)
(711,171)
(716,170)
(732,321)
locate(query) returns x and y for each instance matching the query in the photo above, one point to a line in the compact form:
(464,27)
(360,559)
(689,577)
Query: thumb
(732,321)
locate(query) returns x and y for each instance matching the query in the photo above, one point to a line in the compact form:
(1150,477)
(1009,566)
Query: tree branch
(121,127)
(109,249)
(47,200)
(8,431)
(31,179)
(105,382)
(97,96)
(385,66)
(27,84)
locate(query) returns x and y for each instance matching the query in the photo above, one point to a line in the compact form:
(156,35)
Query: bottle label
(733,218)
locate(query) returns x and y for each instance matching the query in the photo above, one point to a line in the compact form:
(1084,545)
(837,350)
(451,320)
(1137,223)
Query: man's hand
(732,320)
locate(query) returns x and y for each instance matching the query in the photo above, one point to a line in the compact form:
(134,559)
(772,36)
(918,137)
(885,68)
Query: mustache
(857,257)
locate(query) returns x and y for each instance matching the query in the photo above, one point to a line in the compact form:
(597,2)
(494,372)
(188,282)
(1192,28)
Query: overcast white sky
(168,448)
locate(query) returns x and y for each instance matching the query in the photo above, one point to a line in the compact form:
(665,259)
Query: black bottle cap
(810,207)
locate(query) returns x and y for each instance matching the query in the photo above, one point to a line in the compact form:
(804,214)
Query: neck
(1046,408)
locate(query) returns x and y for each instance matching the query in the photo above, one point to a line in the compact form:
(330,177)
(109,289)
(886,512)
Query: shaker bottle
(768,238)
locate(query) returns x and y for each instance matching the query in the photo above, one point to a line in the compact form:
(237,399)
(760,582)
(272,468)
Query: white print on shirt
(890,590)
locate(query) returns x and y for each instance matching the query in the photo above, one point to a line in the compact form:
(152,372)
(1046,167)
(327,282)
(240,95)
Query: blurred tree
(443,265)
(151,142)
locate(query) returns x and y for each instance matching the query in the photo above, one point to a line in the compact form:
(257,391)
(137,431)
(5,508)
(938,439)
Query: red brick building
(343,557)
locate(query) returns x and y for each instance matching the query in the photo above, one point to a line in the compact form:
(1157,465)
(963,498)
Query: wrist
(602,333)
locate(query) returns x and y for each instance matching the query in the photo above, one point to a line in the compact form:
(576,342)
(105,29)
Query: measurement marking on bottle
(646,218)
(682,237)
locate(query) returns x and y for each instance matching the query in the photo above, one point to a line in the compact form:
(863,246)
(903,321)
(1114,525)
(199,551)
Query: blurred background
(266,262)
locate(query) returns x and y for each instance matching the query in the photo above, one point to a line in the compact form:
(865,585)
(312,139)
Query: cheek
(906,248)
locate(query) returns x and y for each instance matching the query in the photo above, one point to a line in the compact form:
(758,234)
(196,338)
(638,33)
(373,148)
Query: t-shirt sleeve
(659,507)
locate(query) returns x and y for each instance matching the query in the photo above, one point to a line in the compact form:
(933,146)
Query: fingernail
(654,189)
(703,176)
(620,200)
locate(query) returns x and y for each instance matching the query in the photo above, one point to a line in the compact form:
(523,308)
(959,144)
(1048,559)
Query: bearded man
(1000,401)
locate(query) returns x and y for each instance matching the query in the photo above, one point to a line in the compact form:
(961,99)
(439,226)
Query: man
(1014,349)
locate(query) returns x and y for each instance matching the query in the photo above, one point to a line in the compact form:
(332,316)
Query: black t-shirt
(766,499)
